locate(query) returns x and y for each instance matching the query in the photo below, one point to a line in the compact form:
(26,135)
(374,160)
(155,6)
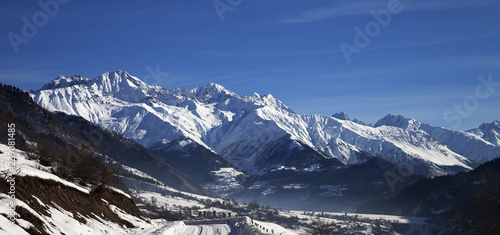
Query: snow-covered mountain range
(257,133)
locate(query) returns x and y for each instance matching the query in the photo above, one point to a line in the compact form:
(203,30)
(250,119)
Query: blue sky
(423,63)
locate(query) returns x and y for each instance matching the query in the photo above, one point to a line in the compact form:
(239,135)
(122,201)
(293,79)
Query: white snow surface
(480,144)
(179,228)
(489,132)
(306,215)
(25,167)
(239,127)
(60,220)
(226,180)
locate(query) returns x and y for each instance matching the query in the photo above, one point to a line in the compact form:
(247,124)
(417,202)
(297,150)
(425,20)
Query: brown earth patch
(53,193)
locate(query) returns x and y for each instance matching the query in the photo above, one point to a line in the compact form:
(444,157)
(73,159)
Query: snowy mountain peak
(63,81)
(398,121)
(211,92)
(213,87)
(122,85)
(490,126)
(216,86)
(270,101)
(341,116)
(119,79)
(489,132)
(108,82)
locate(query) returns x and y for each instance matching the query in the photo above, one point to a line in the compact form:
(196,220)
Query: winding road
(218,229)
(179,228)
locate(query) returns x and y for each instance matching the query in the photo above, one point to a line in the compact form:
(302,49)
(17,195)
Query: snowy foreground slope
(56,219)
(258,133)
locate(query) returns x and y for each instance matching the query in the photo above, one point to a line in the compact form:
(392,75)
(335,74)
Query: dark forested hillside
(127,152)
(468,201)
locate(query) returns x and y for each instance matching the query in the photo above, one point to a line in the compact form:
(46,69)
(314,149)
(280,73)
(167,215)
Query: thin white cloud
(318,14)
(438,41)
(444,4)
(268,53)
(363,7)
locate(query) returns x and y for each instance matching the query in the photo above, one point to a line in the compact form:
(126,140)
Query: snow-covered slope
(244,129)
(489,132)
(479,145)
(39,213)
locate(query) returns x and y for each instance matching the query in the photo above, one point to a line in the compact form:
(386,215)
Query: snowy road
(179,228)
(222,229)
(231,226)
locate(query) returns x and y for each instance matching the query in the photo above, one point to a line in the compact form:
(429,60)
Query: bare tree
(321,227)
